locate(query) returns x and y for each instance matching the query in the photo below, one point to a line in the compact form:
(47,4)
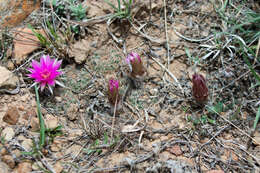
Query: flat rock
(72,112)
(34,123)
(80,51)
(24,167)
(11,116)
(9,161)
(25,42)
(7,79)
(27,144)
(13,12)
(215,171)
(58,167)
(4,168)
(176,150)
(51,121)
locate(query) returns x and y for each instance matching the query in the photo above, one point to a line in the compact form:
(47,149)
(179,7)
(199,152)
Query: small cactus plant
(113,95)
(137,71)
(199,89)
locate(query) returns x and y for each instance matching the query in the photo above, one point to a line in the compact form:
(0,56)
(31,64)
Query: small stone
(35,126)
(27,144)
(256,138)
(72,112)
(58,99)
(43,111)
(7,79)
(8,133)
(3,151)
(4,168)
(73,150)
(58,167)
(9,161)
(176,150)
(75,132)
(17,153)
(56,146)
(51,121)
(215,171)
(234,156)
(36,166)
(11,116)
(21,108)
(24,167)
(10,65)
(29,113)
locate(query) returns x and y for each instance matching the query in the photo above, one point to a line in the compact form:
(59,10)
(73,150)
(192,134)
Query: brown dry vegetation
(161,128)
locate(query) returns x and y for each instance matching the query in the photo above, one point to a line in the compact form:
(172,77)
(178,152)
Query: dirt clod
(9,161)
(12,115)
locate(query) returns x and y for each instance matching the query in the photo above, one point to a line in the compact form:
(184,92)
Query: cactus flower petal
(45,72)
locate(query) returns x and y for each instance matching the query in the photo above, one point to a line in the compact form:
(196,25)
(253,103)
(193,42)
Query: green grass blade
(251,69)
(119,5)
(256,118)
(112,5)
(42,126)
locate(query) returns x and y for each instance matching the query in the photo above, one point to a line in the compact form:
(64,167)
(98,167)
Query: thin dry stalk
(114,117)
(166,34)
(171,75)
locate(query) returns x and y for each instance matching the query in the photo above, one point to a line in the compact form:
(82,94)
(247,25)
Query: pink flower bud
(135,64)
(113,91)
(199,88)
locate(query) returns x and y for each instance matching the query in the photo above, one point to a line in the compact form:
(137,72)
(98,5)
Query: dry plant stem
(76,156)
(84,122)
(114,116)
(106,124)
(233,125)
(216,134)
(140,137)
(110,33)
(29,60)
(11,92)
(171,75)
(190,39)
(132,109)
(231,83)
(91,21)
(241,148)
(152,39)
(257,51)
(166,34)
(46,164)
(150,15)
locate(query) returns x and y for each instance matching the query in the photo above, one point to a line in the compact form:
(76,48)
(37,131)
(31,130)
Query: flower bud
(135,64)
(199,88)
(113,91)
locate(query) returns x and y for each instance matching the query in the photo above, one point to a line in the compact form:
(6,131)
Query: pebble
(8,133)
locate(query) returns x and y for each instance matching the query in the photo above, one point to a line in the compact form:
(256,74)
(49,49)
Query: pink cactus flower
(199,89)
(45,72)
(135,64)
